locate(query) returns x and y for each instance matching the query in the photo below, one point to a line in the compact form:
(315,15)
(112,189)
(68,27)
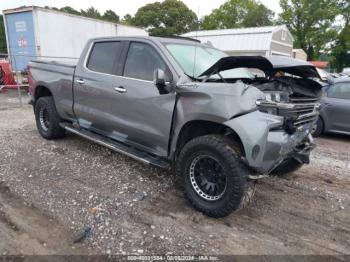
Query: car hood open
(269,65)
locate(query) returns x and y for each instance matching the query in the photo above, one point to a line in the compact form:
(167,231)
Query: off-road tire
(318,131)
(287,167)
(51,129)
(239,189)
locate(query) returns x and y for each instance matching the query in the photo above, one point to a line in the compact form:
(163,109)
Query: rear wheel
(214,180)
(47,118)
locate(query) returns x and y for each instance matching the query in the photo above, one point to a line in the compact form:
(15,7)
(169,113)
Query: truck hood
(269,65)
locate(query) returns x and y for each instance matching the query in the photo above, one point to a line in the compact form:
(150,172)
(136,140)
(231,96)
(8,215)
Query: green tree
(127,19)
(310,22)
(3,48)
(238,13)
(170,17)
(70,10)
(91,12)
(341,46)
(110,16)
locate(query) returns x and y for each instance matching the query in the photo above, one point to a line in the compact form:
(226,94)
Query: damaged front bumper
(267,144)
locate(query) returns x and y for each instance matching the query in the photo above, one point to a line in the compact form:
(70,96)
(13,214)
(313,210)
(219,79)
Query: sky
(122,7)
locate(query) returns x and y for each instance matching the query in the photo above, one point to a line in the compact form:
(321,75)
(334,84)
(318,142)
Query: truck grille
(305,110)
(298,112)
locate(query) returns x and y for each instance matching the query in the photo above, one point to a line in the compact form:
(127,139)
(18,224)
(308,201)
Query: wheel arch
(41,91)
(196,128)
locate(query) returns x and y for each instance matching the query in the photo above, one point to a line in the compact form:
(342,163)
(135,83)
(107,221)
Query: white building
(299,54)
(265,41)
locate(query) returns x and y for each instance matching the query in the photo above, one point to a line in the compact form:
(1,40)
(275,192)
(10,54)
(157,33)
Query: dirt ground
(52,191)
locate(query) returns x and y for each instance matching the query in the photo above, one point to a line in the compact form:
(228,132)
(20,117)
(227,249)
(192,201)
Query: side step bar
(117,147)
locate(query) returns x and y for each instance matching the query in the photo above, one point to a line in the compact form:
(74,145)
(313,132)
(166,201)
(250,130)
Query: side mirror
(159,77)
(159,81)
(330,79)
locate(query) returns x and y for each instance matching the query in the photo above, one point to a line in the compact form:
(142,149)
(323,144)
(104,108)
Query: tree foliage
(170,17)
(69,10)
(110,16)
(127,19)
(238,13)
(341,46)
(91,12)
(310,22)
(3,48)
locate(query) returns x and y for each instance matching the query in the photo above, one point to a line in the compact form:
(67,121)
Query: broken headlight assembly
(274,101)
(297,111)
(275,96)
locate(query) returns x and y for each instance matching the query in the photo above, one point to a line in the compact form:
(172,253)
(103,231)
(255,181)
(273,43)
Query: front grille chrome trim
(305,110)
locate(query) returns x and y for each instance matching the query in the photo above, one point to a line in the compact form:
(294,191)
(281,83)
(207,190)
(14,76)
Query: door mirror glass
(159,77)
(159,81)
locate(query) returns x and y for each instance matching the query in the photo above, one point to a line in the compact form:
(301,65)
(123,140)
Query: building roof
(236,31)
(239,39)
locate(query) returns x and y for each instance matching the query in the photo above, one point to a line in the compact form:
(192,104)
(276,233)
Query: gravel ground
(132,208)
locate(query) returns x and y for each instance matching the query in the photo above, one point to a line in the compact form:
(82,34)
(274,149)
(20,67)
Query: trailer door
(21,39)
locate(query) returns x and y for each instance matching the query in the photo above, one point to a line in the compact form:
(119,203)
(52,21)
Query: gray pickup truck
(220,122)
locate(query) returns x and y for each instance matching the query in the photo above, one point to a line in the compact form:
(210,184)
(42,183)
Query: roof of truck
(170,39)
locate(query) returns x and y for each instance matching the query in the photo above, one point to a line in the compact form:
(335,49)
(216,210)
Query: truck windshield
(195,59)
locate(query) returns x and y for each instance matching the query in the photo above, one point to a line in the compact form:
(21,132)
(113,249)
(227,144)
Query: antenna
(196,46)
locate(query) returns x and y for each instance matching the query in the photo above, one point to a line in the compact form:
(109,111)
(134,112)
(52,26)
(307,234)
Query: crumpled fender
(253,130)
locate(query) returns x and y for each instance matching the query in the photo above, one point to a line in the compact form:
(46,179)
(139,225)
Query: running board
(117,147)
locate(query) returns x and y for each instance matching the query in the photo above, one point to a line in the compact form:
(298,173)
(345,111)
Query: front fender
(265,143)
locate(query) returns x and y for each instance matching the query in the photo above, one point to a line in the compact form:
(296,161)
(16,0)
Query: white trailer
(36,32)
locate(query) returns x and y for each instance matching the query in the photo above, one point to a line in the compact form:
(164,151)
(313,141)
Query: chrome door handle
(120,89)
(80,81)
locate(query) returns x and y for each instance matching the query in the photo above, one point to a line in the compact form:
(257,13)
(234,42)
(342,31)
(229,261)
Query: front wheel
(214,180)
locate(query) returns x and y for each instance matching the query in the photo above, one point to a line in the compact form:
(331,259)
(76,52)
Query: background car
(346,71)
(335,108)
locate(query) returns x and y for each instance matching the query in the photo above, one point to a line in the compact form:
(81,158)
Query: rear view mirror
(159,81)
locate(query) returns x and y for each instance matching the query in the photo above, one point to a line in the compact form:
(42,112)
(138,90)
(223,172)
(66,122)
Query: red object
(6,77)
(320,64)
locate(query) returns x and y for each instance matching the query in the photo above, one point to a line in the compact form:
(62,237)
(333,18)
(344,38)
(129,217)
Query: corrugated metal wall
(252,42)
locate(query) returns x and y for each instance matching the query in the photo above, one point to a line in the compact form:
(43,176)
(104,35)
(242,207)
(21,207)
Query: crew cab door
(337,107)
(125,107)
(145,116)
(94,82)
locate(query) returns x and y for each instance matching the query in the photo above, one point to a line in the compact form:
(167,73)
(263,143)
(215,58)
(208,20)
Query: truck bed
(59,77)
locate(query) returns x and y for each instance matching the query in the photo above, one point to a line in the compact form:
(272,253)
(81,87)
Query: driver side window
(142,61)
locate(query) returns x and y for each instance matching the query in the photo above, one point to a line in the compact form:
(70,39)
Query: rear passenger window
(142,61)
(103,57)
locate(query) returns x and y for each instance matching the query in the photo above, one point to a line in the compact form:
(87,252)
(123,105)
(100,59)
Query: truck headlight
(274,100)
(276,96)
